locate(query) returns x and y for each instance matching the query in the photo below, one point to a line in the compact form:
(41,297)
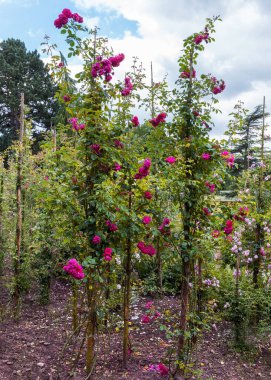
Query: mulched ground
(32,347)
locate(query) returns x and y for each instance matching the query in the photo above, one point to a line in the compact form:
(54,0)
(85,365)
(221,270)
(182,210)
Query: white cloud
(241,54)
(35,32)
(91,22)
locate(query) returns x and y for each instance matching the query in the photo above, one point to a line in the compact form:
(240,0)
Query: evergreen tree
(245,135)
(24,71)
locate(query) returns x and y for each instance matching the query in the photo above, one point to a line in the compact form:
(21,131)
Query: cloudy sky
(153,30)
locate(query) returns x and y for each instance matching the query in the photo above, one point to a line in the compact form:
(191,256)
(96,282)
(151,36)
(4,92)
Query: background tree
(245,135)
(24,71)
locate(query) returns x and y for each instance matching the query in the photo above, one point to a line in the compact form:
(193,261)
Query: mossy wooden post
(127,281)
(238,328)
(91,328)
(159,280)
(19,226)
(54,137)
(93,103)
(200,287)
(187,209)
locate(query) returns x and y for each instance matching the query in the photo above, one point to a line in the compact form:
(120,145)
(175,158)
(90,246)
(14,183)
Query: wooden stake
(18,239)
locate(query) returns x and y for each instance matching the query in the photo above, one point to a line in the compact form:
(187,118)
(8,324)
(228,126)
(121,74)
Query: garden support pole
(127,285)
(18,240)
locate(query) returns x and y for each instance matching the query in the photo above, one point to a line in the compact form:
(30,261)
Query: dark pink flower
(135,121)
(205,125)
(186,74)
(161,118)
(140,245)
(216,90)
(229,227)
(96,239)
(95,149)
(149,305)
(143,171)
(146,249)
(145,319)
(75,125)
(205,156)
(218,86)
(207,211)
(66,98)
(162,229)
(74,269)
(112,227)
(156,315)
(64,17)
(147,163)
(196,113)
(102,67)
(67,13)
(74,122)
(108,77)
(117,59)
(146,219)
(166,221)
(148,195)
(201,37)
(225,154)
(171,160)
(116,167)
(128,87)
(230,161)
(60,21)
(198,39)
(211,186)
(108,254)
(118,144)
(163,369)
(77,18)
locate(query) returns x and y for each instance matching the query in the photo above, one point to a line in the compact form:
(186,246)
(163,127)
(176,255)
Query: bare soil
(36,347)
